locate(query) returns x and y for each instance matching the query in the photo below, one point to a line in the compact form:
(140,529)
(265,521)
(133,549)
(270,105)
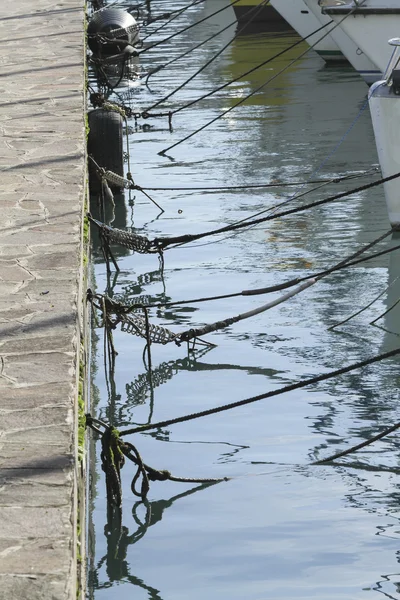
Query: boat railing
(332,3)
(389,75)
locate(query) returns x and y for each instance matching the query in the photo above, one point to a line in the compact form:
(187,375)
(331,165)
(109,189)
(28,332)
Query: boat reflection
(389,320)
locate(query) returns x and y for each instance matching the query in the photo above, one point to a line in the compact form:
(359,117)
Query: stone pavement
(42,193)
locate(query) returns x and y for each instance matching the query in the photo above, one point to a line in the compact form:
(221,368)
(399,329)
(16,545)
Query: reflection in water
(120,411)
(391,316)
(115,215)
(299,531)
(119,539)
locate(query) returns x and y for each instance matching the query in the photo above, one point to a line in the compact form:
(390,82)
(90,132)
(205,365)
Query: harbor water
(280,527)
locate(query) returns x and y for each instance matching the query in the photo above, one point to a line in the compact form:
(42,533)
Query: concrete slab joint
(42,314)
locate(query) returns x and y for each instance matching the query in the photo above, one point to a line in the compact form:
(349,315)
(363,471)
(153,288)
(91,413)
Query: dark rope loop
(113,454)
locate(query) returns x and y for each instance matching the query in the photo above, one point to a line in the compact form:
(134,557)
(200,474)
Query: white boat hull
(385,112)
(370,31)
(364,66)
(297,14)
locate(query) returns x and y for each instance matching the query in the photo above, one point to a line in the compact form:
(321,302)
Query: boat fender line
(108,27)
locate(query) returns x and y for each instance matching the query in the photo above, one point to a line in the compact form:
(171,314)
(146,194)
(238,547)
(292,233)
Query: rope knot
(156,475)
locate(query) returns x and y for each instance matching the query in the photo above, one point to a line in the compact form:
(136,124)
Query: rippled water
(280,528)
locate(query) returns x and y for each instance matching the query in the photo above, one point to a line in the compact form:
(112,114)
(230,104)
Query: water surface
(280,528)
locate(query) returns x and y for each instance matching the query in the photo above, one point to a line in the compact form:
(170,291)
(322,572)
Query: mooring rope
(256,9)
(381,435)
(170,37)
(158,245)
(120,181)
(99,101)
(364,308)
(270,394)
(271,209)
(343,264)
(388,310)
(249,186)
(113,455)
(223,86)
(137,325)
(242,100)
(177,58)
(115,450)
(128,183)
(183,239)
(174,14)
(133,323)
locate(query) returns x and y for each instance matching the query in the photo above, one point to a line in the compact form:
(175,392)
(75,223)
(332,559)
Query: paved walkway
(42,174)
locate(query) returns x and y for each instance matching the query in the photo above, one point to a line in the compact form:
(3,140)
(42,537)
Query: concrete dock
(43,193)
